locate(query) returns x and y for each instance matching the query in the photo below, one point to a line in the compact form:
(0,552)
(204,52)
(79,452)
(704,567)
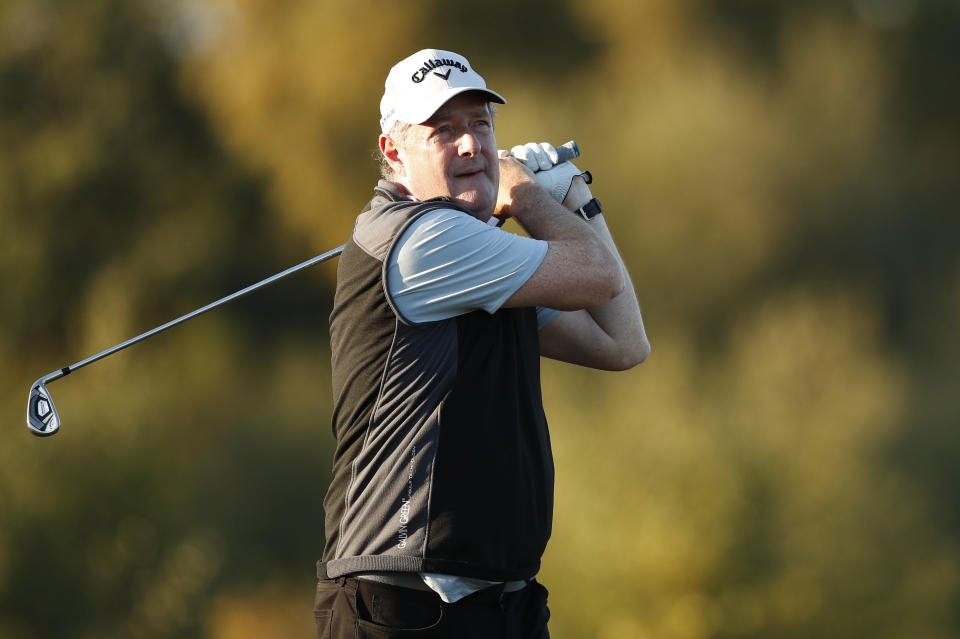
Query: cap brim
(423,111)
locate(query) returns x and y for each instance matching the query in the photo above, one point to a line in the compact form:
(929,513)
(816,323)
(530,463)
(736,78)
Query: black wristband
(590,210)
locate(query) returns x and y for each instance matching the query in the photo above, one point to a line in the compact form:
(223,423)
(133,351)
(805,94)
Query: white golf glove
(536,156)
(541,158)
(557,180)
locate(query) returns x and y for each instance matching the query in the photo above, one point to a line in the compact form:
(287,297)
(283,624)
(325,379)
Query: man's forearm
(544,219)
(620,318)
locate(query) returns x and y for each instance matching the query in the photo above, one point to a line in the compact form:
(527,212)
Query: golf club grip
(568,151)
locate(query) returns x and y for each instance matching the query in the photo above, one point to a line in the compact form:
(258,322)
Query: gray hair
(398,133)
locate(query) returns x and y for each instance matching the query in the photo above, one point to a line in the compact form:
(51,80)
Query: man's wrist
(578,195)
(590,209)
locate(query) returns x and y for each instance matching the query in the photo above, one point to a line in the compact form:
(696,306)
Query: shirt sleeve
(545,316)
(448,263)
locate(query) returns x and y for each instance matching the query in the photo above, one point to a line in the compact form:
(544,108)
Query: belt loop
(349,584)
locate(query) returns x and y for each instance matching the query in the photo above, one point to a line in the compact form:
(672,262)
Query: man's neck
(402,191)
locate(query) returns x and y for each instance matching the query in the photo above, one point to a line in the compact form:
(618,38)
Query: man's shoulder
(444,234)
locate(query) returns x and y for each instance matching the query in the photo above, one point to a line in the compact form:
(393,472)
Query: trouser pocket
(386,612)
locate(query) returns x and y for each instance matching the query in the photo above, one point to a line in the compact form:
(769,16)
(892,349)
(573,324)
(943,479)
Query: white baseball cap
(419,85)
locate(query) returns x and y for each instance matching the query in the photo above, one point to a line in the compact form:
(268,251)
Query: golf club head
(42,416)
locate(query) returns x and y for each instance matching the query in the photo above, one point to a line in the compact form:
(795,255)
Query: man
(441,500)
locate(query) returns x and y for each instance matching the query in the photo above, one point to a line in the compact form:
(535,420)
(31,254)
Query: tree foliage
(781,178)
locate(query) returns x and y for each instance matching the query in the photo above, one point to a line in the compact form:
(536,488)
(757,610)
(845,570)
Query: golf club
(42,416)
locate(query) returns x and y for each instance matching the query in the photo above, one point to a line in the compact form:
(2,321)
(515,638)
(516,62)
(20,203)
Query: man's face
(453,154)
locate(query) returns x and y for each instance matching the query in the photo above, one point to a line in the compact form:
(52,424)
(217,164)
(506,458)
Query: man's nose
(469,145)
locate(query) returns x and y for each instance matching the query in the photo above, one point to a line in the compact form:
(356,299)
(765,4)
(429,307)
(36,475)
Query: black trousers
(348,608)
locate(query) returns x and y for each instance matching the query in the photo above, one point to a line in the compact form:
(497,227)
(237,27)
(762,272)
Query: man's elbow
(642,352)
(633,356)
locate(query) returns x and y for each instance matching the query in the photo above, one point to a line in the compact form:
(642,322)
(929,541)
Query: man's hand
(536,156)
(542,159)
(518,185)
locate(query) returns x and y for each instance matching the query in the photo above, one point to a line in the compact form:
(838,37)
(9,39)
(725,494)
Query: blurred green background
(781,177)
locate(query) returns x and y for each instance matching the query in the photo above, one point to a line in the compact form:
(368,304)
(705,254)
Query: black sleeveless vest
(443,460)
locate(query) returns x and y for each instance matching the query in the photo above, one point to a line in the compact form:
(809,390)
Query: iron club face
(42,416)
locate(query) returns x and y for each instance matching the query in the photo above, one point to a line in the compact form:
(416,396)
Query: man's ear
(392,153)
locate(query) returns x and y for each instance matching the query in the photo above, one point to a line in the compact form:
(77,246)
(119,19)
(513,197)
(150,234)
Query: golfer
(441,500)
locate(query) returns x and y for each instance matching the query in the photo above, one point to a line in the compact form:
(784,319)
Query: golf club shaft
(323,257)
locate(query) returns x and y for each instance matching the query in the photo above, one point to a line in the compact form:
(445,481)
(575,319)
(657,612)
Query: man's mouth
(468,172)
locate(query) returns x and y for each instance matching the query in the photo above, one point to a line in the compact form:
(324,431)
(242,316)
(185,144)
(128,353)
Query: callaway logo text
(430,65)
